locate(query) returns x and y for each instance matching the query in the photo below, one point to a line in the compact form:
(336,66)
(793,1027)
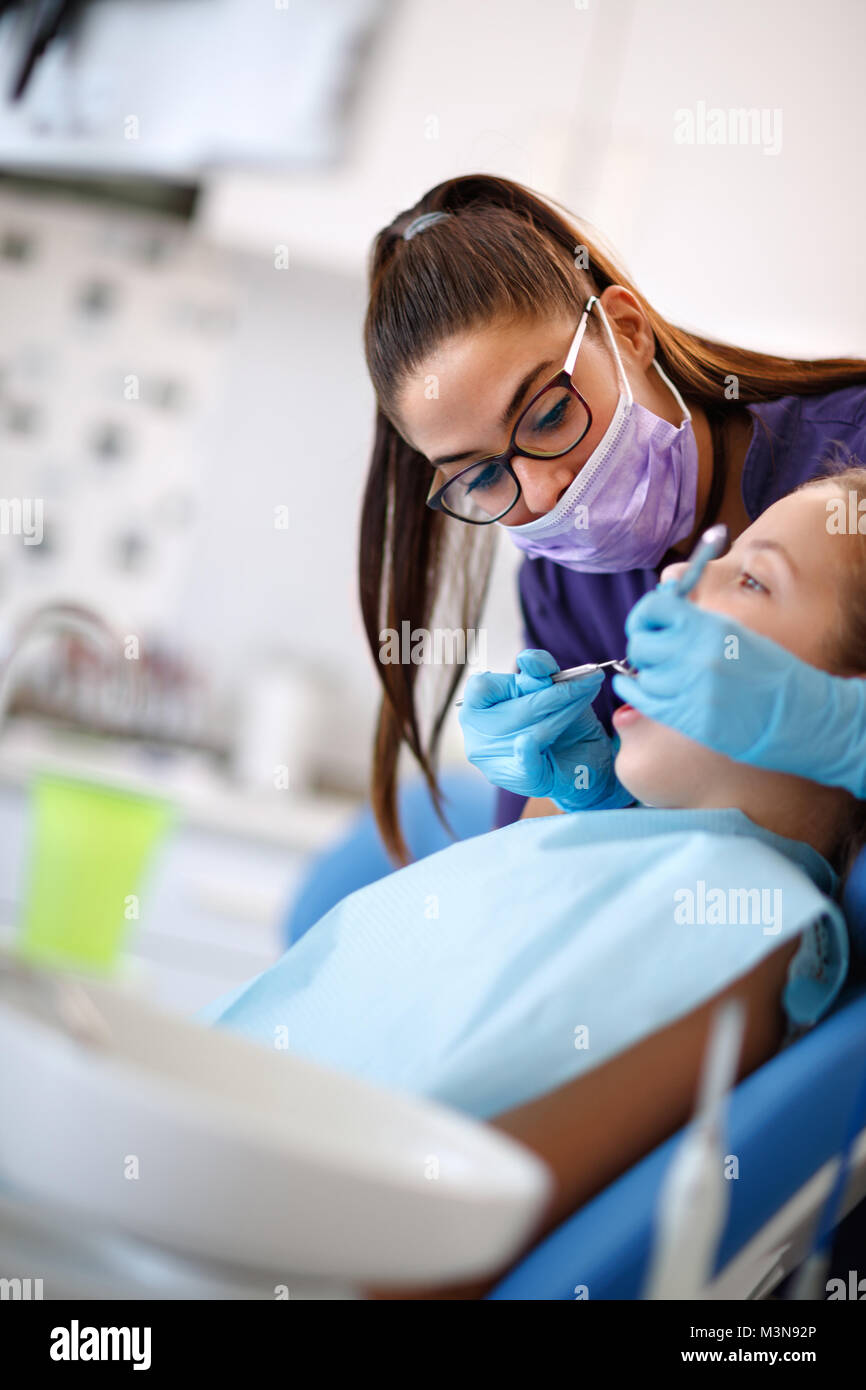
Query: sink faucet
(63,619)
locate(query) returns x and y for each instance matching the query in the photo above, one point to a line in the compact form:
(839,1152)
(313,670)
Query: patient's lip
(626,714)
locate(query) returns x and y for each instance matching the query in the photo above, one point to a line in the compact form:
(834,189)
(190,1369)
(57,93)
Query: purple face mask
(634,497)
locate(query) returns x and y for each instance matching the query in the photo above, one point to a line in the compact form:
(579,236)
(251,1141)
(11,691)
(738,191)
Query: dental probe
(711,545)
(574,673)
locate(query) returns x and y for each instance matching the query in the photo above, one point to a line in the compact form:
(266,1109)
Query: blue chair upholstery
(854,907)
(359,857)
(784,1122)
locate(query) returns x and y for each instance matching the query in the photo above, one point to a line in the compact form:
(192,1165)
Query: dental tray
(207,1143)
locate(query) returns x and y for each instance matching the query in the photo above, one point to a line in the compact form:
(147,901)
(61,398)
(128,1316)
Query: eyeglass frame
(563,378)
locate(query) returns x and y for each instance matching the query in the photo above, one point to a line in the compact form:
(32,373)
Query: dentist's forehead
(461,387)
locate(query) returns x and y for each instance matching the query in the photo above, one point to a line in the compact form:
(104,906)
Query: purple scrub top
(581,617)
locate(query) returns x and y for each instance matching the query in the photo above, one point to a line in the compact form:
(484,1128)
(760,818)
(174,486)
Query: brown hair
(508,253)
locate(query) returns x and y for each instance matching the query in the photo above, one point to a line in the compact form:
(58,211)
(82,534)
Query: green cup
(91,845)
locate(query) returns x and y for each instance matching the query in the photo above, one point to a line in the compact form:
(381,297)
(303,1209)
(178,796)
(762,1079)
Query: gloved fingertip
(560,694)
(655,605)
(484,689)
(625,687)
(583,683)
(528,684)
(536,662)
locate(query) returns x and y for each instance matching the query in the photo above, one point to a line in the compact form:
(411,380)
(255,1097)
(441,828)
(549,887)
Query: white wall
(577,98)
(296,429)
(762,249)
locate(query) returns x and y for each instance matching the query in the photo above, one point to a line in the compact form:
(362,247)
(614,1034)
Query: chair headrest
(854,903)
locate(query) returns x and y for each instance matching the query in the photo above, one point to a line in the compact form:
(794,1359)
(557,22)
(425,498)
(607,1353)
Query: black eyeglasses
(552,424)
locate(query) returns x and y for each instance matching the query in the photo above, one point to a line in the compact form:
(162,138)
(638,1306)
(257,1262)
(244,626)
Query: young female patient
(558,977)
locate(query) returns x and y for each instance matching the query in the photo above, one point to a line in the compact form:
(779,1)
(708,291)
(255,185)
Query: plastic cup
(91,846)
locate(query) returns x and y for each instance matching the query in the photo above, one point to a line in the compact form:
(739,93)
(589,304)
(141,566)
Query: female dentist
(522,381)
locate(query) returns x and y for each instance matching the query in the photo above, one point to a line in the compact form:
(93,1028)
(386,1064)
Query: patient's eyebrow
(779,549)
(517,398)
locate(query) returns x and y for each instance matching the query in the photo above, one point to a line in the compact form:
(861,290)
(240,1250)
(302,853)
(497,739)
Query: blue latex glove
(741,694)
(538,739)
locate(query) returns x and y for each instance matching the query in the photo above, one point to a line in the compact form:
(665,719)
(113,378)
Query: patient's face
(785,577)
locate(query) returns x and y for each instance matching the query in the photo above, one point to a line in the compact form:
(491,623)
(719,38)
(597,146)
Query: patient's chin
(657,765)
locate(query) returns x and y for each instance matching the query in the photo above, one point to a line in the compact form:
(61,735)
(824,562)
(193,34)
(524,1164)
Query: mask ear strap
(623,379)
(624,386)
(687,414)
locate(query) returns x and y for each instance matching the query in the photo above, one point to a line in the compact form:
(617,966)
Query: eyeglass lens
(552,425)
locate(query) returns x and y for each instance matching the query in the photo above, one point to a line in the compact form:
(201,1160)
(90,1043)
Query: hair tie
(427,219)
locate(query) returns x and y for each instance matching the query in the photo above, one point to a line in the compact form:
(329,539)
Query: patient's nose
(672,571)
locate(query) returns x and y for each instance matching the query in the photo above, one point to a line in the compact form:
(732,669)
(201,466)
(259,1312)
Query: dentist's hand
(741,694)
(538,739)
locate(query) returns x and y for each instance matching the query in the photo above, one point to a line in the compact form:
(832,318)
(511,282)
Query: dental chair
(252,1185)
(786,1123)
